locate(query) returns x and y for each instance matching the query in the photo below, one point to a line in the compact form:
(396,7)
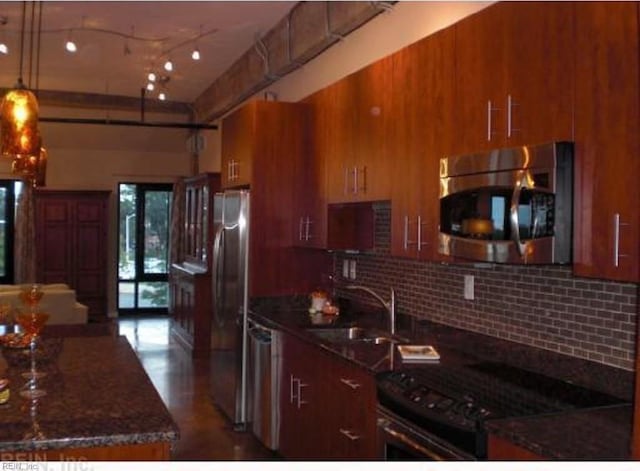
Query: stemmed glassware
(32,322)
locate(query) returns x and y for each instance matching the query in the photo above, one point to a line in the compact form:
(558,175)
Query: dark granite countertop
(602,433)
(98,394)
(592,434)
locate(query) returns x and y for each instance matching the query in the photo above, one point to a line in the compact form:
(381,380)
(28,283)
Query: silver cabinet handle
(300,386)
(510,105)
(300,238)
(292,394)
(406,242)
(616,239)
(355,180)
(364,179)
(350,382)
(346,180)
(350,435)
(420,224)
(307,232)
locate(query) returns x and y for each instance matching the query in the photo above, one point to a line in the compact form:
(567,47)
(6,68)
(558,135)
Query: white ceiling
(101,64)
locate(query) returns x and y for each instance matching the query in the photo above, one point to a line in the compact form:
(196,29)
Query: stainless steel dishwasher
(265,348)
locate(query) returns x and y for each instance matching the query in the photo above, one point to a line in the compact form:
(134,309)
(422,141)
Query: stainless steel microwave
(508,205)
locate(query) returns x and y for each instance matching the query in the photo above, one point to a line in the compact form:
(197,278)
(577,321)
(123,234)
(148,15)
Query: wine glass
(32,323)
(31,294)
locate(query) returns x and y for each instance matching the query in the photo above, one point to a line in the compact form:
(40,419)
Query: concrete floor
(183,384)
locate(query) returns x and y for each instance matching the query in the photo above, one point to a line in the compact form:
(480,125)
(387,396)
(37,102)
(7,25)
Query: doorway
(144,215)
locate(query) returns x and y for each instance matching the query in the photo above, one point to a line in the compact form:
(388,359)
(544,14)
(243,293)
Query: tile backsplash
(542,306)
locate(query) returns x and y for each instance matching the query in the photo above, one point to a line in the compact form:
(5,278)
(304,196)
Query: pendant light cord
(31,45)
(24,19)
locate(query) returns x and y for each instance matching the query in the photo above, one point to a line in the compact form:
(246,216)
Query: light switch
(469,287)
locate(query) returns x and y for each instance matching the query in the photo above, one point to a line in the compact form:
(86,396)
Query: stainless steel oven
(439,411)
(400,439)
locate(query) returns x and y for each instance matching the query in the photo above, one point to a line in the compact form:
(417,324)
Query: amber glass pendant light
(31,168)
(19,131)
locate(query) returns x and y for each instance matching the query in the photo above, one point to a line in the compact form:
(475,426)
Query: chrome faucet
(390,305)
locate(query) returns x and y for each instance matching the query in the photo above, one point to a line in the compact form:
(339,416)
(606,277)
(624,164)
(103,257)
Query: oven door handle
(406,440)
(522,181)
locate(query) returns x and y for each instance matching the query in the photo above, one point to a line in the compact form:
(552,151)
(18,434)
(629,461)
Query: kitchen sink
(355,334)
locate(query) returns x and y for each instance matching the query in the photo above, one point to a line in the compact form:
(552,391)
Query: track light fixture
(151,77)
(195,55)
(168,65)
(70,45)
(3,48)
(162,96)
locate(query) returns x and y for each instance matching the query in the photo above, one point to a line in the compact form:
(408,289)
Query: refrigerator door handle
(218,270)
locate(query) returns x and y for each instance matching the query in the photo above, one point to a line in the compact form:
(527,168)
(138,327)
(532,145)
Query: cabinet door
(302,435)
(310,203)
(238,134)
(479,82)
(514,75)
(538,95)
(334,142)
(352,421)
(357,166)
(607,162)
(421,132)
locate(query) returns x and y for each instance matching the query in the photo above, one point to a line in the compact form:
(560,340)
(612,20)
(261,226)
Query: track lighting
(150,86)
(151,77)
(162,96)
(3,48)
(168,66)
(195,55)
(70,45)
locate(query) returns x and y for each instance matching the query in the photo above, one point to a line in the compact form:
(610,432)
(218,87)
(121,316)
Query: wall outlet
(352,269)
(345,268)
(469,287)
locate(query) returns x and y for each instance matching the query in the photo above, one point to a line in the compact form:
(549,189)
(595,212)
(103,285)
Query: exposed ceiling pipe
(125,122)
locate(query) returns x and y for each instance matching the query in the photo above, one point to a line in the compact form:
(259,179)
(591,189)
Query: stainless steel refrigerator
(229,344)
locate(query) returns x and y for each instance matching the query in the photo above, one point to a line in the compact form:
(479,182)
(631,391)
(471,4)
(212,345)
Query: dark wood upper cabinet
(514,76)
(261,143)
(607,241)
(357,163)
(420,131)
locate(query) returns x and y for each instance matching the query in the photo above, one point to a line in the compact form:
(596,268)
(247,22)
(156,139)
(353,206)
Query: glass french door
(143,255)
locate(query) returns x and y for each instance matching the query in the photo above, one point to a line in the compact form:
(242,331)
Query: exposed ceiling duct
(308,30)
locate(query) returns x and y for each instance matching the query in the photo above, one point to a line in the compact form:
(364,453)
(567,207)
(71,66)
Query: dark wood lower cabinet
(327,405)
(190,307)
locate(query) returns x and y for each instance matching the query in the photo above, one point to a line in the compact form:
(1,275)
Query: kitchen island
(99,404)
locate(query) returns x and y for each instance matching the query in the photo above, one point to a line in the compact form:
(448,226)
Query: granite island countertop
(97,395)
(590,434)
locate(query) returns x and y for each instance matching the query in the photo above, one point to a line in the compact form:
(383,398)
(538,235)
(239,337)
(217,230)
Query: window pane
(126,295)
(156,231)
(127,246)
(153,294)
